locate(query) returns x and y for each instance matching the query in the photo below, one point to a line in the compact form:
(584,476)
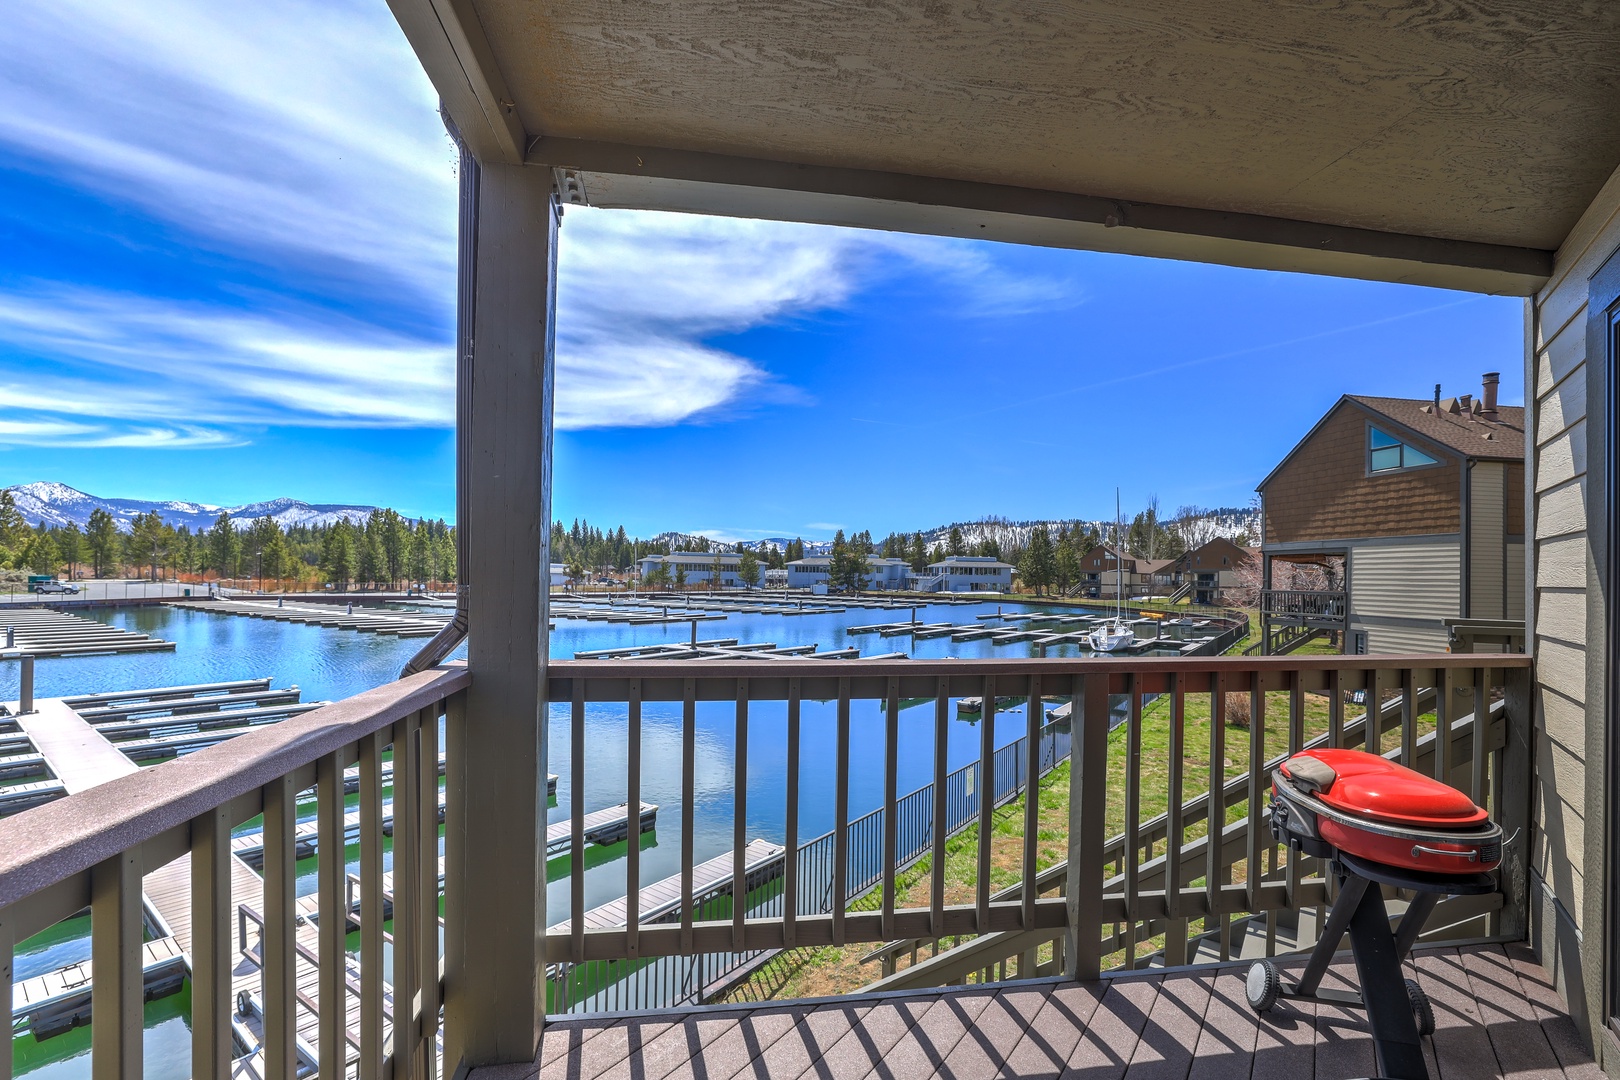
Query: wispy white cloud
(297,131)
(299,140)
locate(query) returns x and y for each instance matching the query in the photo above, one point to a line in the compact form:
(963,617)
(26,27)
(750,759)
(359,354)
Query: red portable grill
(1377,823)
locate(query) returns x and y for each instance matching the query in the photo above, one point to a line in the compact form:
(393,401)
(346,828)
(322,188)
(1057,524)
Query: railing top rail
(1068,666)
(50,843)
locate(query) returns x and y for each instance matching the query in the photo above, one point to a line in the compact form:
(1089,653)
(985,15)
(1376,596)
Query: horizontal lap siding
(1563,565)
(1487,528)
(1418,580)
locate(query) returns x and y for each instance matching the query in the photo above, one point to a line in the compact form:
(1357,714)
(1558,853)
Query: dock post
(694,633)
(25,695)
(11,637)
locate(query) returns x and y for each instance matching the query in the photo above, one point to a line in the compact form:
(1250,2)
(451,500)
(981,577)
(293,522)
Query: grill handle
(1419,849)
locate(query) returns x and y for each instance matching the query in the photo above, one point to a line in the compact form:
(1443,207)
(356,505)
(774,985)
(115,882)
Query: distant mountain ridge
(57,504)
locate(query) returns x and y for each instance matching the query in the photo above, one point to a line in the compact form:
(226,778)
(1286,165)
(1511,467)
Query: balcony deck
(1496,1014)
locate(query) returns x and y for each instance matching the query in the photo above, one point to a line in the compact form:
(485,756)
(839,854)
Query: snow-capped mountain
(58,504)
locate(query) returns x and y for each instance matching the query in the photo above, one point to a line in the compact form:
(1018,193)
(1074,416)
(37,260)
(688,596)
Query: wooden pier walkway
(369,620)
(662,899)
(41,632)
(607,826)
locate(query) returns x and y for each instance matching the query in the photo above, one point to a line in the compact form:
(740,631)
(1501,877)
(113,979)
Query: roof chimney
(1437,399)
(1466,403)
(1492,378)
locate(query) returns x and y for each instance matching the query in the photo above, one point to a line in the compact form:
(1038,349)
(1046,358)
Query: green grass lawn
(836,970)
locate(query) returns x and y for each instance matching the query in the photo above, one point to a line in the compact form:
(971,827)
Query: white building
(813,570)
(967,573)
(699,567)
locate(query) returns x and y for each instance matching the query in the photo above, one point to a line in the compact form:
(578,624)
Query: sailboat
(1114,635)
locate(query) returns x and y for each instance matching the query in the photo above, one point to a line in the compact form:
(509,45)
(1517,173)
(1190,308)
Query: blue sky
(226,273)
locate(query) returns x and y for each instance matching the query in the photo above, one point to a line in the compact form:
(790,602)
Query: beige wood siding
(1558,422)
(1515,581)
(1399,593)
(1416,580)
(1487,527)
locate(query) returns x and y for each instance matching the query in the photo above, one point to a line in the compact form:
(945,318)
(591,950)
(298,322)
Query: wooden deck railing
(1130,880)
(93,849)
(1156,884)
(1303,603)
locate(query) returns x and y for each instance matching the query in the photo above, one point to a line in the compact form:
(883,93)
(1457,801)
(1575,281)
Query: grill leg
(1351,889)
(1389,1013)
(1417,913)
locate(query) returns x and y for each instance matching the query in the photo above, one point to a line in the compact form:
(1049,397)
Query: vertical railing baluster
(331,930)
(407,909)
(1088,803)
(739,820)
(688,807)
(942,733)
(1335,690)
(632,854)
(371,908)
(576,822)
(427,867)
(790,869)
(891,801)
(1175,934)
(1408,717)
(1132,846)
(1215,813)
(1296,742)
(8,973)
(1445,713)
(1482,724)
(1032,800)
(986,790)
(1374,693)
(276,954)
(1494,782)
(1257,786)
(841,814)
(211,950)
(116,992)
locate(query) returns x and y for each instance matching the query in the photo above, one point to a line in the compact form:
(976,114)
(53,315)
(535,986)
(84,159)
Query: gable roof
(1467,435)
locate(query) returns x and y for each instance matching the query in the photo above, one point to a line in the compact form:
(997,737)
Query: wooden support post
(211,951)
(496,773)
(116,994)
(1088,802)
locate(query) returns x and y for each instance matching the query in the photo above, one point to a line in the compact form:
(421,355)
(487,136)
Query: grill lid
(1370,786)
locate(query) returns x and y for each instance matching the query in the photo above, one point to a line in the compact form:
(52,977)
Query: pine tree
(918,554)
(15,535)
(748,569)
(101,535)
(224,548)
(1037,564)
(70,542)
(956,545)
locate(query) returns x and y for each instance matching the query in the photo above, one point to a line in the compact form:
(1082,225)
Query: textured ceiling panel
(1493,122)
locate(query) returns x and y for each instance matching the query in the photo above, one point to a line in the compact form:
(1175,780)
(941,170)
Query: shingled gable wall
(1324,493)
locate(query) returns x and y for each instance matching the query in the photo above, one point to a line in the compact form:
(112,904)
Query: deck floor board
(1497,1015)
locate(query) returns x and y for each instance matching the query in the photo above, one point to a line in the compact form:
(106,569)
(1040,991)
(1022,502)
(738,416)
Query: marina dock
(41,632)
(660,901)
(405,624)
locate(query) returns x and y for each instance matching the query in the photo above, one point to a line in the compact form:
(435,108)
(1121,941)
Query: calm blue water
(331,664)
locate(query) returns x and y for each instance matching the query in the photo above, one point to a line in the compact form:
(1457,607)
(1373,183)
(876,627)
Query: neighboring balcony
(969,877)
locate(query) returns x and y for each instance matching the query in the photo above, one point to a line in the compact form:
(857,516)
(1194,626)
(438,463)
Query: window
(1388,453)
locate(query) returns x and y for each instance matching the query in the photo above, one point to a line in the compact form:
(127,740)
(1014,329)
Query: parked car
(55,587)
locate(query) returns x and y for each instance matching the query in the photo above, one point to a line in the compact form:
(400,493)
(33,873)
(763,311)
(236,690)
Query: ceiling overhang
(1352,140)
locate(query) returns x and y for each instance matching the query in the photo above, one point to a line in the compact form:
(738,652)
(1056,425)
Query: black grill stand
(1397,1009)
